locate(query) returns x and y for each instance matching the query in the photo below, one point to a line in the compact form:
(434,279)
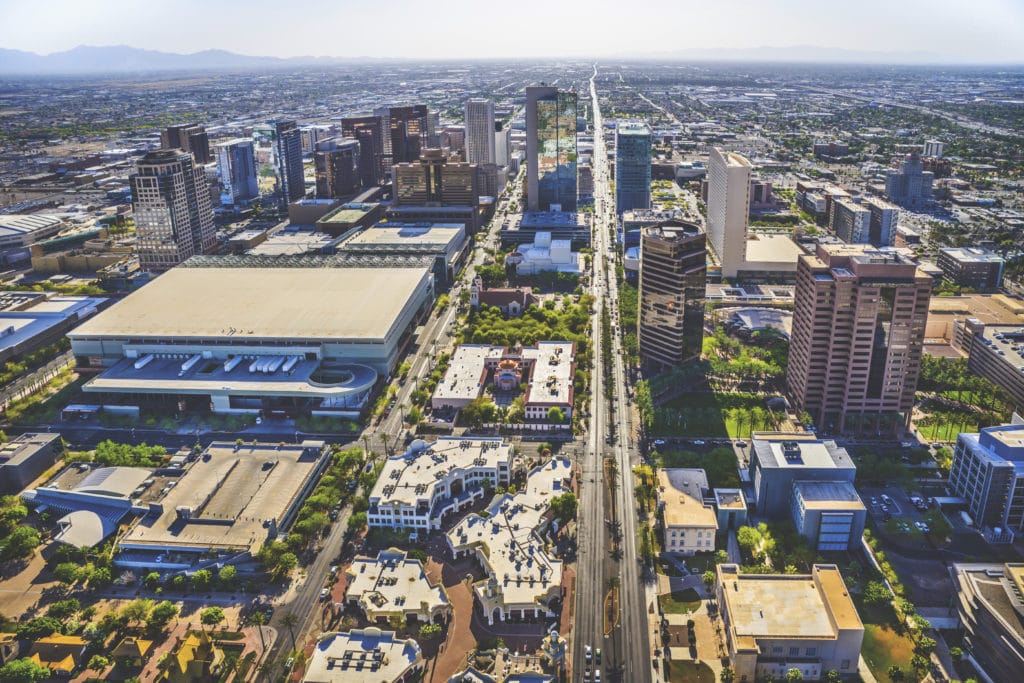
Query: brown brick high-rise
(858,330)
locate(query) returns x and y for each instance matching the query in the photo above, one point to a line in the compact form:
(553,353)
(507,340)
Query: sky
(957,30)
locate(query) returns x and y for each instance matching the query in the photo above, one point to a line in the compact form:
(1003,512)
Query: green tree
(564,506)
(287,563)
(895,673)
(727,675)
(211,616)
(161,614)
(98,663)
(201,579)
(101,577)
(794,675)
(429,630)
(227,575)
(23,671)
(137,611)
(289,620)
(19,543)
(556,415)
(832,676)
(709,578)
(875,593)
(926,645)
(66,573)
(39,627)
(956,653)
(152,580)
(357,521)
(63,609)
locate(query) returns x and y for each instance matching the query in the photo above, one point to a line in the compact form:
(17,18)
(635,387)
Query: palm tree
(727,675)
(257,619)
(290,620)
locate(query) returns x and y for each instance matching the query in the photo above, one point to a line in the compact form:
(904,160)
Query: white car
(587,653)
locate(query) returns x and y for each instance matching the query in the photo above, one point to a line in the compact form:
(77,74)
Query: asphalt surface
(626,654)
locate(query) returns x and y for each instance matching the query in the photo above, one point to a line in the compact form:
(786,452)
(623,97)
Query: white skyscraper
(728,207)
(479,119)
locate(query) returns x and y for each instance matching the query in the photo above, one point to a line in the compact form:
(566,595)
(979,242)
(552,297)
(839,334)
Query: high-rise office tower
(406,132)
(172,208)
(728,208)
(369,131)
(673,269)
(851,222)
(236,166)
(434,181)
(910,185)
(479,120)
(550,148)
(189,138)
(884,221)
(337,167)
(858,332)
(288,157)
(632,167)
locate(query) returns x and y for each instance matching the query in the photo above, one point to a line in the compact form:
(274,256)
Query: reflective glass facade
(556,150)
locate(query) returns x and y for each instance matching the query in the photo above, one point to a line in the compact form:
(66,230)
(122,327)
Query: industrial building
(251,334)
(778,622)
(829,514)
(858,334)
(990,602)
(690,525)
(972,267)
(26,457)
(227,503)
(18,232)
(31,320)
(424,486)
(523,580)
(673,266)
(779,459)
(988,473)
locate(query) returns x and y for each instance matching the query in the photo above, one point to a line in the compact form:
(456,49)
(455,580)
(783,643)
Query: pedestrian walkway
(733,548)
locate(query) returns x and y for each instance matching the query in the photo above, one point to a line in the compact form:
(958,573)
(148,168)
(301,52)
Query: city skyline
(989,31)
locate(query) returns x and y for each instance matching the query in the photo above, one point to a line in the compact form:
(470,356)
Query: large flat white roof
(259,303)
(410,234)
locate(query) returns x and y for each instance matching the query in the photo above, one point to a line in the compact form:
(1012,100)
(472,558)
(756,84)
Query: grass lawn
(884,647)
(689,672)
(680,602)
(708,414)
(944,432)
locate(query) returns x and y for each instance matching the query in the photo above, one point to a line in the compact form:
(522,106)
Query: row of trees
(16,541)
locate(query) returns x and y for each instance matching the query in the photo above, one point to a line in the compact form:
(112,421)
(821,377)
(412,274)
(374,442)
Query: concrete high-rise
(291,181)
(172,208)
(910,185)
(188,138)
(369,131)
(479,124)
(858,333)
(632,167)
(728,208)
(434,181)
(851,222)
(673,270)
(236,167)
(550,148)
(337,167)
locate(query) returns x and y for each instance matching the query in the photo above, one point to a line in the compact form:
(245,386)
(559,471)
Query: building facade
(972,267)
(778,460)
(551,149)
(851,222)
(673,270)
(337,161)
(988,472)
(369,131)
(909,185)
(236,166)
(172,208)
(406,133)
(858,333)
(291,182)
(188,138)
(728,209)
(480,138)
(690,524)
(434,181)
(829,514)
(632,167)
(989,604)
(25,457)
(778,622)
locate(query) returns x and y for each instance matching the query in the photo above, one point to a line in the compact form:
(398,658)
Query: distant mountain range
(86,59)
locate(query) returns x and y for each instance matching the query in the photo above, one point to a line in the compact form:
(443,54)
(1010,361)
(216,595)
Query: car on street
(324,594)
(698,442)
(659,442)
(597,656)
(588,653)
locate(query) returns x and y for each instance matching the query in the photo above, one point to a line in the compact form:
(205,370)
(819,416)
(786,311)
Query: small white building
(361,655)
(393,585)
(546,254)
(690,524)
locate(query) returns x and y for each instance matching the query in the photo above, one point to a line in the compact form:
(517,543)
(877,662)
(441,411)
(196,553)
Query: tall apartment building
(550,149)
(728,209)
(632,167)
(406,132)
(858,331)
(884,221)
(369,131)
(172,208)
(933,148)
(673,269)
(336,161)
(910,185)
(851,222)
(188,138)
(480,140)
(434,181)
(988,472)
(288,157)
(236,166)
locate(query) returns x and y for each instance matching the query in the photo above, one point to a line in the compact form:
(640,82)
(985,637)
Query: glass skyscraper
(632,167)
(551,148)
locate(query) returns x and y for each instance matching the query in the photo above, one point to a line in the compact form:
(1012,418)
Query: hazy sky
(971,30)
